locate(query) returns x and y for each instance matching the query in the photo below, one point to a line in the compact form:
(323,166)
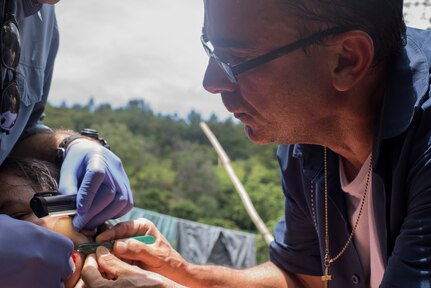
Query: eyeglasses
(232,71)
(10,54)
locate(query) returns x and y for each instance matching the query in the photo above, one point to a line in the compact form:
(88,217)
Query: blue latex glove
(32,256)
(98,177)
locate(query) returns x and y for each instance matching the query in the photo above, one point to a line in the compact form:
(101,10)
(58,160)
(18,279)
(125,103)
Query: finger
(126,209)
(112,265)
(93,179)
(92,182)
(70,169)
(100,202)
(80,284)
(91,274)
(118,207)
(152,254)
(127,229)
(75,165)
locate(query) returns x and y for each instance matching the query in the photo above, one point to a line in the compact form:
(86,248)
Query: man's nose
(216,80)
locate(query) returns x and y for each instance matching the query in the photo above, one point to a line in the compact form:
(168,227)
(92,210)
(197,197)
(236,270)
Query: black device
(60,152)
(53,204)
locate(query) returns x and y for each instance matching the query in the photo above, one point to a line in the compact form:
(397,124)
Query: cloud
(115,51)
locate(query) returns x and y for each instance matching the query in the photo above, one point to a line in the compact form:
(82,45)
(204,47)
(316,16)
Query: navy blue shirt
(401,187)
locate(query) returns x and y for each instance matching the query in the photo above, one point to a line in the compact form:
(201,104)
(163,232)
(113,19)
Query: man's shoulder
(418,38)
(412,31)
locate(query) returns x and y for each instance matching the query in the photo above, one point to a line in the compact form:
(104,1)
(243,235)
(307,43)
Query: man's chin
(257,137)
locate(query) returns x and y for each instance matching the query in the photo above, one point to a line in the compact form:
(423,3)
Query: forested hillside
(174,170)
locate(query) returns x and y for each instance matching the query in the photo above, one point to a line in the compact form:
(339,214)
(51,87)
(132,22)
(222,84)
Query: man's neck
(356,131)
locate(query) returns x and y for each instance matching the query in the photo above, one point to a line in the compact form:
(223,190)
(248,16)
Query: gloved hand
(98,177)
(32,256)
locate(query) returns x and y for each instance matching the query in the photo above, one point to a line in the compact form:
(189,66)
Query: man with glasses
(344,89)
(32,256)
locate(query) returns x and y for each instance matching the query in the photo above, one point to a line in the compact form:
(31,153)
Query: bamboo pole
(238,185)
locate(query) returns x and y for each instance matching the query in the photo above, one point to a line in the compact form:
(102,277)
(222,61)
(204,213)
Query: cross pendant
(327,277)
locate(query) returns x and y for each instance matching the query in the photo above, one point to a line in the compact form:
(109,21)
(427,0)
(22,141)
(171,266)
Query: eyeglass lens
(226,68)
(10,49)
(11,45)
(9,106)
(228,71)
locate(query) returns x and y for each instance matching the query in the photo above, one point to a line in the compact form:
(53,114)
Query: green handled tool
(88,248)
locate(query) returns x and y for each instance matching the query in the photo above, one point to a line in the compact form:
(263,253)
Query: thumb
(91,274)
(113,266)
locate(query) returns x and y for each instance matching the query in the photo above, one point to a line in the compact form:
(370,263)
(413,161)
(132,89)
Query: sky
(114,51)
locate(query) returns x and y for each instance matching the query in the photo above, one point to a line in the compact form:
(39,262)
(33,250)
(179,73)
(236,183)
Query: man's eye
(233,59)
(229,56)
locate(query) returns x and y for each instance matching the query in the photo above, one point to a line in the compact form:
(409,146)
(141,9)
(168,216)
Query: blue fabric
(26,8)
(20,8)
(24,258)
(39,36)
(39,40)
(167,225)
(401,187)
(205,244)
(201,243)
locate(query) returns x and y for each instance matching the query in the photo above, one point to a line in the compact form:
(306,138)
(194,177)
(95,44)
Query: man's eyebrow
(221,42)
(228,43)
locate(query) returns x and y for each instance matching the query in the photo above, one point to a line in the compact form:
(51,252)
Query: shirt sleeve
(295,247)
(32,256)
(411,256)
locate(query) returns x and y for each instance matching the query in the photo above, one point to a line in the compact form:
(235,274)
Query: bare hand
(106,270)
(159,257)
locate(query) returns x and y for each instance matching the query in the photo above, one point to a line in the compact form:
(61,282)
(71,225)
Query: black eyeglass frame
(232,71)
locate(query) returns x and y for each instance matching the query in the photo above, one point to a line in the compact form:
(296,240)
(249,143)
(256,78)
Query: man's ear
(354,57)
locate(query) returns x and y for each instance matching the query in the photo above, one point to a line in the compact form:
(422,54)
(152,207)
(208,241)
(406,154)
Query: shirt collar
(312,158)
(407,85)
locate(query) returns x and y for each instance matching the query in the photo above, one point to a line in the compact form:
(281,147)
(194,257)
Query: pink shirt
(365,238)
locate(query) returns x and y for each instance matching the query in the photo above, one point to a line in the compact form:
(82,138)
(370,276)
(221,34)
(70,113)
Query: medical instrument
(88,248)
(51,204)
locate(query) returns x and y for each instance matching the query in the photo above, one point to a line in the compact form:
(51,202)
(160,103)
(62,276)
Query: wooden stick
(260,225)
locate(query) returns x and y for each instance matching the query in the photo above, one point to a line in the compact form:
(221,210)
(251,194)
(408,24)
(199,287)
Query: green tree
(185,209)
(173,169)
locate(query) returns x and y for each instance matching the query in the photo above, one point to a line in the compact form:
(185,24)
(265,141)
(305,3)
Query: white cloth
(365,238)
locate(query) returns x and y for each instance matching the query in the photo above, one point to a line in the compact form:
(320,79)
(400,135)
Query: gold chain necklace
(328,260)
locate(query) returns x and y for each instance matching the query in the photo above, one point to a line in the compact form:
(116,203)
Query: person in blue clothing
(33,256)
(344,88)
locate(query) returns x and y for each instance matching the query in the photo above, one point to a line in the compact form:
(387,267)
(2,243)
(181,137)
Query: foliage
(174,170)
